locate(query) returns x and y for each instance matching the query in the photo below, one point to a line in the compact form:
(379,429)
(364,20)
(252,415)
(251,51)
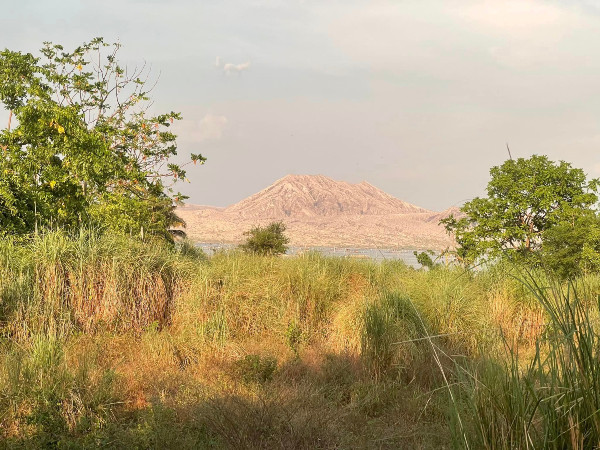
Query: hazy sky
(416,97)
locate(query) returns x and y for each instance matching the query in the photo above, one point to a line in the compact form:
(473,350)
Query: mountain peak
(294,178)
(318,195)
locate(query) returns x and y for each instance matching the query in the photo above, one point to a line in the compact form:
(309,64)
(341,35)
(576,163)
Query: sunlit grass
(109,341)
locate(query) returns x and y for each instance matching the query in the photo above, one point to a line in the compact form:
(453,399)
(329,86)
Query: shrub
(186,248)
(425,259)
(268,240)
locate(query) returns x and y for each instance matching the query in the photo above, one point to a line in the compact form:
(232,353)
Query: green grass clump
(392,334)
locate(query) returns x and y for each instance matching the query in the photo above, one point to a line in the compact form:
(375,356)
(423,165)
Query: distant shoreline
(377,254)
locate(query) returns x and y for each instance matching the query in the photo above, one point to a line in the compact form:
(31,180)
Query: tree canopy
(267,240)
(526,198)
(80,147)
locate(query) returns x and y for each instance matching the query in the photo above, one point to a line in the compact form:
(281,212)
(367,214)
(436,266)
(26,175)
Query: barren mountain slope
(319,211)
(317,195)
(452,211)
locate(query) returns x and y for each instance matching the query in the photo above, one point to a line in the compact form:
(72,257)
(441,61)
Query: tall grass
(392,335)
(109,341)
(60,284)
(552,398)
(49,398)
(294,300)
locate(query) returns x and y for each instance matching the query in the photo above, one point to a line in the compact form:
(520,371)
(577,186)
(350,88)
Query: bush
(424,259)
(186,248)
(268,240)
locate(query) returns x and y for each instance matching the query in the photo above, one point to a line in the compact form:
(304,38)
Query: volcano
(320,211)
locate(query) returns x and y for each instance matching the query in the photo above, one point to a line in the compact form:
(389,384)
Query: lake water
(376,254)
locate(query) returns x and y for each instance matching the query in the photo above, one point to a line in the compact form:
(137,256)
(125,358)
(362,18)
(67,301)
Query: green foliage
(146,360)
(269,240)
(526,197)
(186,248)
(157,426)
(61,399)
(82,148)
(572,248)
(424,258)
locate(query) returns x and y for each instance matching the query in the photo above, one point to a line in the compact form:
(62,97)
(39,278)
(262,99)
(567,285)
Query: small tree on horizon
(267,240)
(424,258)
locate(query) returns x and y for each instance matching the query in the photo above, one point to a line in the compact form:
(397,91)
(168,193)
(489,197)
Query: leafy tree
(268,240)
(572,248)
(526,198)
(83,148)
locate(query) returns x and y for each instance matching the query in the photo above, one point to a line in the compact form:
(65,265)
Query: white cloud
(230,68)
(211,127)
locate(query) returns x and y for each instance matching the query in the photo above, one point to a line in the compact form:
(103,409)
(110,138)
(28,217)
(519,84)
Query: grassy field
(109,342)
